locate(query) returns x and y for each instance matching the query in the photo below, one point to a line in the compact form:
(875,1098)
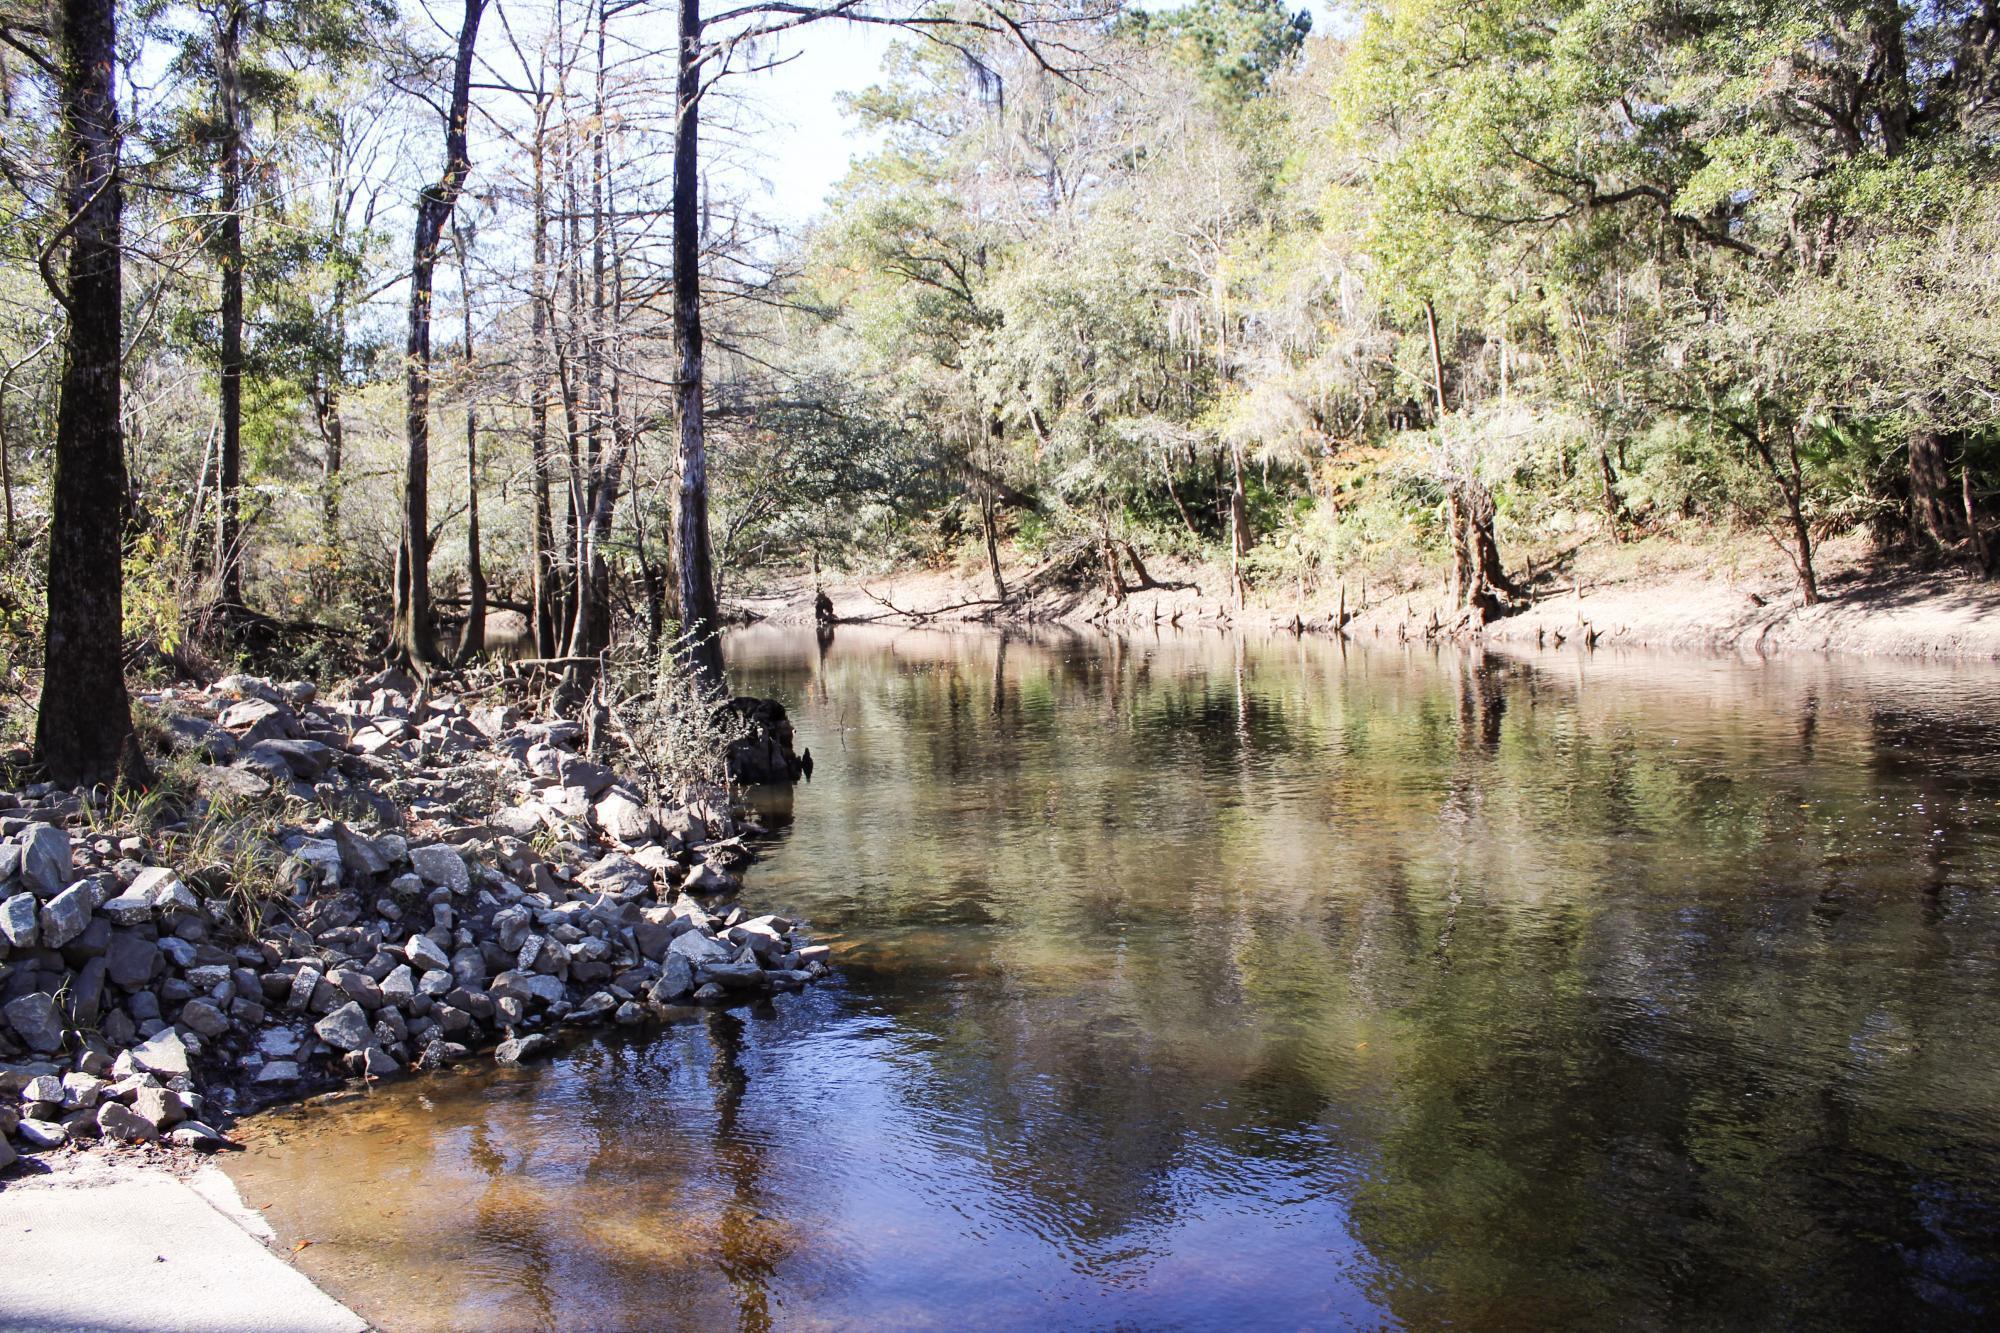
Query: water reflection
(1206,982)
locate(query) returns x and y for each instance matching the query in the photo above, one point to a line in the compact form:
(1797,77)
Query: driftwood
(893,611)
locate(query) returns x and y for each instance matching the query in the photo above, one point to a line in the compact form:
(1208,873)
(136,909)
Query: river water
(1197,982)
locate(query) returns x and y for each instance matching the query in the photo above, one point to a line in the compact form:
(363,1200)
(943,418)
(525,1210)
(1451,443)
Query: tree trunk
(700,616)
(541,534)
(1981,556)
(992,543)
(473,640)
(412,636)
(84,727)
(1930,483)
(229,487)
(1614,509)
(1239,524)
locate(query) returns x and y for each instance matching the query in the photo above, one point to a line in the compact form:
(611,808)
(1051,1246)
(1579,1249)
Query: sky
(811,141)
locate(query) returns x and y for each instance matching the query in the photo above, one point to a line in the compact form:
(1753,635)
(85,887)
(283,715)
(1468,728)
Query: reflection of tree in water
(748,1248)
(506,1218)
(1531,964)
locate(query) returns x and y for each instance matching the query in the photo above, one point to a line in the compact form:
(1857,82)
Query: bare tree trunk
(700,616)
(229,488)
(1239,524)
(1981,555)
(1614,509)
(412,636)
(1790,481)
(992,543)
(1167,467)
(541,535)
(84,727)
(472,640)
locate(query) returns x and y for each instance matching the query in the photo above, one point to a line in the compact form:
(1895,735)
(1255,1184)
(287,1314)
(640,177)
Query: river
(1204,982)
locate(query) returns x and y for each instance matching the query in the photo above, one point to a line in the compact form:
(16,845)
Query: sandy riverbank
(1736,596)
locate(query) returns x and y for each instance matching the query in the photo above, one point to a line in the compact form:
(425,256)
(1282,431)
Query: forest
(336,332)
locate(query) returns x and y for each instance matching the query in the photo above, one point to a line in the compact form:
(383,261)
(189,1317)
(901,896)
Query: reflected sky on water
(1208,982)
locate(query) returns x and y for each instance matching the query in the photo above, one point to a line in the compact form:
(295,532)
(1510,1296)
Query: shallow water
(1206,983)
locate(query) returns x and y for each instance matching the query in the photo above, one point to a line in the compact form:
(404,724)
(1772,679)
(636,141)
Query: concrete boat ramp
(100,1245)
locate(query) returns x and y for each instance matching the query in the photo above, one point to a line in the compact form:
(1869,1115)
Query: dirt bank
(1736,595)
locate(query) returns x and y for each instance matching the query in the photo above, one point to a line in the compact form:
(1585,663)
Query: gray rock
(165,889)
(321,860)
(525,986)
(357,985)
(204,1017)
(86,993)
(399,987)
(617,874)
(132,960)
(511,926)
(304,983)
(591,778)
(623,818)
(346,1028)
(360,855)
(425,956)
(278,1071)
(763,939)
(194,1134)
(521,821)
(307,761)
(227,785)
(737,973)
(237,685)
(519,1050)
(164,1054)
(65,915)
(468,967)
(676,979)
(21,921)
(259,719)
(117,1121)
(698,948)
(712,993)
(277,1043)
(705,878)
(43,1088)
(207,740)
(130,908)
(44,1133)
(37,1021)
(80,1091)
(378,1063)
(45,860)
(159,1107)
(442,866)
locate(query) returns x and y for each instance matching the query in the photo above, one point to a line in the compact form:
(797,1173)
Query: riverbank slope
(1736,594)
